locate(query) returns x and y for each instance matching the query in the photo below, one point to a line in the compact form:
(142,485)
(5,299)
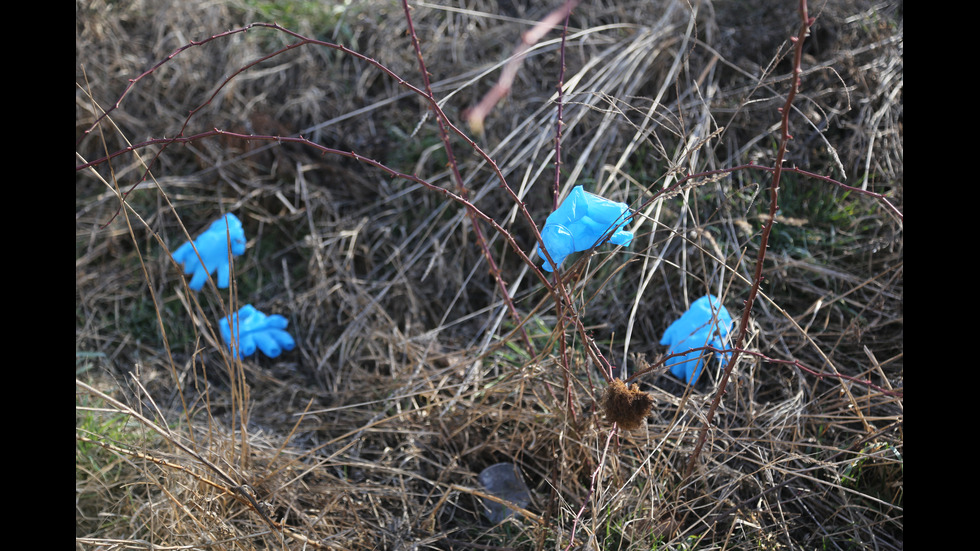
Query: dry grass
(408,377)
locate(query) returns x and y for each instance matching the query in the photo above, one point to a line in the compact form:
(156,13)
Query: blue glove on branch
(257,330)
(706,323)
(212,246)
(581,222)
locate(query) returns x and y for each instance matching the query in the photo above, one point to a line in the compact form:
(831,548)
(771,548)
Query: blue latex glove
(257,330)
(696,328)
(581,222)
(212,245)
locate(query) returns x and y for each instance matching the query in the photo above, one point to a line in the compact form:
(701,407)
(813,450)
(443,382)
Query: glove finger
(686,367)
(276,321)
(679,371)
(695,375)
(247,346)
(181,254)
(284,339)
(192,265)
(224,325)
(267,345)
(223,276)
(197,282)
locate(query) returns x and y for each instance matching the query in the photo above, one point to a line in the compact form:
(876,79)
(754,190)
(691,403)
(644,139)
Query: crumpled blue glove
(257,330)
(706,323)
(212,245)
(581,222)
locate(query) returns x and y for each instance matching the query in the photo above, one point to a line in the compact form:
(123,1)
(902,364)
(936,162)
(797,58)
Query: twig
(478,113)
(556,186)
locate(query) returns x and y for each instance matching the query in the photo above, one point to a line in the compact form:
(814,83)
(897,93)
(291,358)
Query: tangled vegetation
(392,217)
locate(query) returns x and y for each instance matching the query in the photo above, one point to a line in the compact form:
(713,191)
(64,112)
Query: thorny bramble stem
(461,188)
(777,172)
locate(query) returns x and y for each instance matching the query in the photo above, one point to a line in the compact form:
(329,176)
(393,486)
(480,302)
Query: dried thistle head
(626,406)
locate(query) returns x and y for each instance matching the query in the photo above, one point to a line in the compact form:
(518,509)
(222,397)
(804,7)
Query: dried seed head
(626,406)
